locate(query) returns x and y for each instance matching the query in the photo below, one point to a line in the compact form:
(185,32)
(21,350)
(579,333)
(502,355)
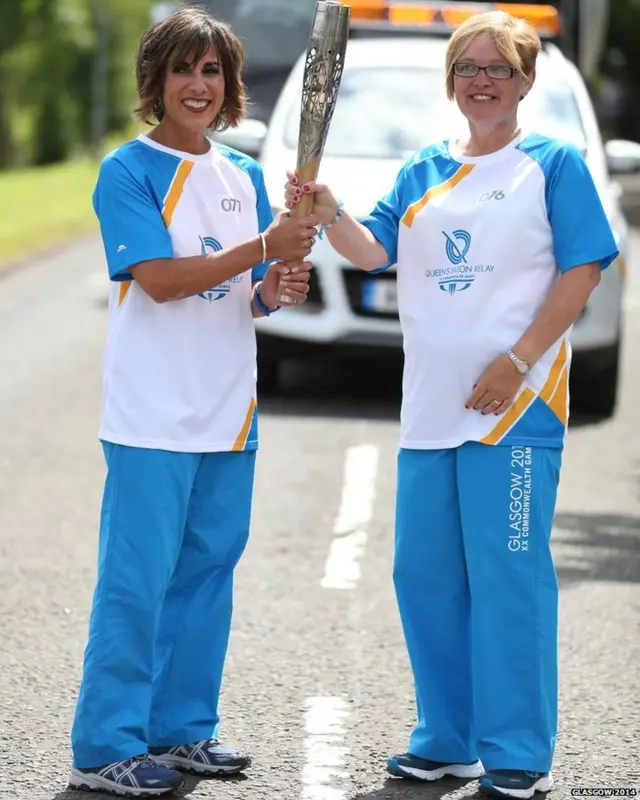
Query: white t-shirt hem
(175,447)
(407,444)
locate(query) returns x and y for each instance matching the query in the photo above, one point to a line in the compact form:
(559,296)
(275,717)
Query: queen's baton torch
(322,74)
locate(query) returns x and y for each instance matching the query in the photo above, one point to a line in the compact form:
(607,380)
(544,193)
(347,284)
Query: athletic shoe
(207,757)
(515,783)
(410,766)
(136,777)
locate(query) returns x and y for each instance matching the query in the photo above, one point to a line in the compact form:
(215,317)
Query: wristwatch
(520,364)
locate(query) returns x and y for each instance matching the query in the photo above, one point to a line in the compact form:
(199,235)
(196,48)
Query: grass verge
(41,206)
(44,205)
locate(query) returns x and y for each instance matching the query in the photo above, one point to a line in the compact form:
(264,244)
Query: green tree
(66,74)
(62,33)
(13,23)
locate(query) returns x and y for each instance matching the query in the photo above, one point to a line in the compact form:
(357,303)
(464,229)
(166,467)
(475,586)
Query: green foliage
(49,57)
(52,143)
(13,22)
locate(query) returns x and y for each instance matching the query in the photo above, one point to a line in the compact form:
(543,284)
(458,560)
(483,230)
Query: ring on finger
(496,402)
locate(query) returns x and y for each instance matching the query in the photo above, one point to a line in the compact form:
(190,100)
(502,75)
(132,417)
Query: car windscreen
(391,113)
(273,32)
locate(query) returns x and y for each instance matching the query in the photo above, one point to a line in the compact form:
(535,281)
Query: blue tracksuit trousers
(173,527)
(478,597)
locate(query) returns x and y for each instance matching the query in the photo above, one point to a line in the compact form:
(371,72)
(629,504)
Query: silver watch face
(521,366)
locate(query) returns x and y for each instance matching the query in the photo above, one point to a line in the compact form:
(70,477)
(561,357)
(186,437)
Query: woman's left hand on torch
(293,281)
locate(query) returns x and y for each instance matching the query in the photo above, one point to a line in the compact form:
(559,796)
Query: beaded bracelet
(263,308)
(326,227)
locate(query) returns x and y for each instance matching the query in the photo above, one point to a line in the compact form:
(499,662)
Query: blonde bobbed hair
(516,41)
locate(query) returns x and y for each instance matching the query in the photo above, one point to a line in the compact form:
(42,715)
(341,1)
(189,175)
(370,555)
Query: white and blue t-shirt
(180,375)
(479,242)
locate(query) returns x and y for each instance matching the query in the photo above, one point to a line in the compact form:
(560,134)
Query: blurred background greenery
(67,88)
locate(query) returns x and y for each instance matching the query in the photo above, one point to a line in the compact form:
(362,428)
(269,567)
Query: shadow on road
(357,390)
(395,789)
(607,547)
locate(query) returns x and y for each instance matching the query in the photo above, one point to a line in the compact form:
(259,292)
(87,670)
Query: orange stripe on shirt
(522,402)
(246,427)
(175,190)
(415,208)
(554,374)
(124,288)
(559,401)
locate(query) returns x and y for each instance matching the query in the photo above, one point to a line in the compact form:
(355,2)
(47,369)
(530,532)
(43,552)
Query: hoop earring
(158,107)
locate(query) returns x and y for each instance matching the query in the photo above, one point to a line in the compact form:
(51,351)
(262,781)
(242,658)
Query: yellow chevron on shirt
(124,288)
(246,427)
(554,374)
(175,190)
(509,419)
(415,208)
(560,399)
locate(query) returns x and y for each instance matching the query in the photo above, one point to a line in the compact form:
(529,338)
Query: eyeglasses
(496,72)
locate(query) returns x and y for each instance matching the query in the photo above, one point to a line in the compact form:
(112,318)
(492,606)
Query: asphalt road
(317,681)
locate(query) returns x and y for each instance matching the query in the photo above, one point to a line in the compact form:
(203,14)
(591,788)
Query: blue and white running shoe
(140,776)
(207,757)
(410,766)
(515,783)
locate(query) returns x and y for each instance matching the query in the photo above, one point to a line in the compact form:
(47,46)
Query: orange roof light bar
(545,19)
(368,9)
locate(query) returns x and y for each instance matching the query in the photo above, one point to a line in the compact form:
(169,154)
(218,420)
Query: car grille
(314,302)
(355,281)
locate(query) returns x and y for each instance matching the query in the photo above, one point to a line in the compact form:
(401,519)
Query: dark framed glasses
(497,72)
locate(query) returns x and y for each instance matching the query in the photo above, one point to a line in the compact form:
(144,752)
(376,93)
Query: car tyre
(595,391)
(269,371)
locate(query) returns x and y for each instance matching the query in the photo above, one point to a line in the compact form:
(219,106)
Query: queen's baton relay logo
(458,246)
(209,244)
(461,274)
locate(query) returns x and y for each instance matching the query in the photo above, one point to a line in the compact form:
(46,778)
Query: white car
(392,102)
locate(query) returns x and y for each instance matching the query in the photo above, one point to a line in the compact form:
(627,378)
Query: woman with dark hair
(189,241)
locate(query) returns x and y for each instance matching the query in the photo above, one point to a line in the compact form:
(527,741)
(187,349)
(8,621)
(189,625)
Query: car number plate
(380,296)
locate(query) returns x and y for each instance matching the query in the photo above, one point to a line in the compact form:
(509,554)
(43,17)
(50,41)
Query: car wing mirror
(623,156)
(248,137)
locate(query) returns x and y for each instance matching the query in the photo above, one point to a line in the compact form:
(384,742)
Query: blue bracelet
(326,227)
(262,307)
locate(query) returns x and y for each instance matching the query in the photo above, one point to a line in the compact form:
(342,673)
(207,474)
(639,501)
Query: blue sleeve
(579,225)
(131,223)
(384,221)
(265,216)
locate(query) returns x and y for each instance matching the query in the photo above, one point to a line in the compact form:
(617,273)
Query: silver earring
(158,107)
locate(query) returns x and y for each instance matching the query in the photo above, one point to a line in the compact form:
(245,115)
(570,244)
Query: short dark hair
(187,34)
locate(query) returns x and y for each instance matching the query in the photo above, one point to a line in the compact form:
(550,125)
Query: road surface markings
(323,774)
(342,568)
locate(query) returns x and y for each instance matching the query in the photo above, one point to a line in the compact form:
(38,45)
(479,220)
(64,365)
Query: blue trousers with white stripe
(173,527)
(478,599)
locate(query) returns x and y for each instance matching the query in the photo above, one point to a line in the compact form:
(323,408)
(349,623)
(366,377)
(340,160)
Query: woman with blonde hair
(499,239)
(190,245)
